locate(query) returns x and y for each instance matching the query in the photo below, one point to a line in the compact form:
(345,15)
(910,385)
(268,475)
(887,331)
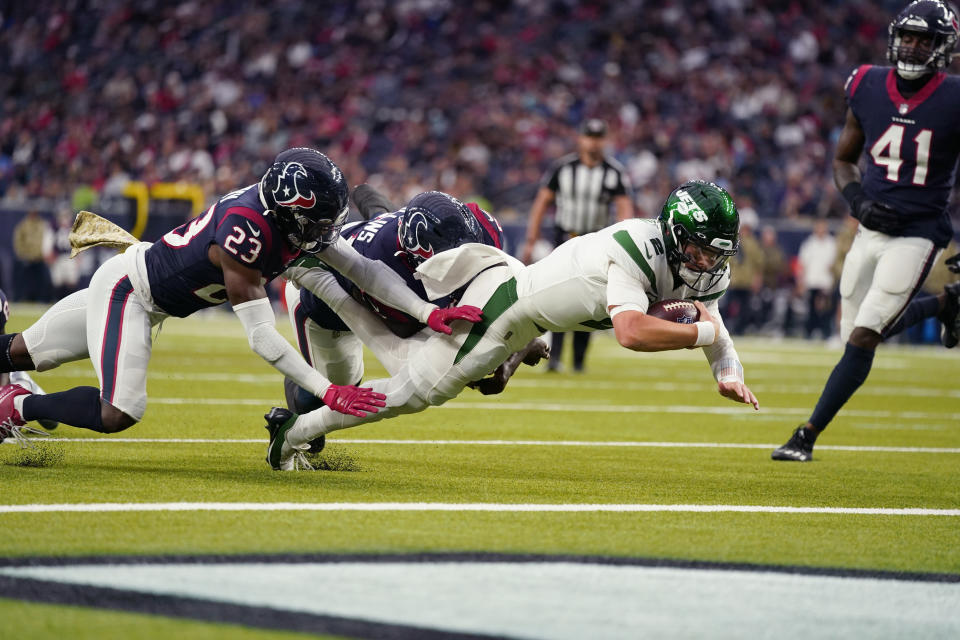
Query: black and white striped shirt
(584,194)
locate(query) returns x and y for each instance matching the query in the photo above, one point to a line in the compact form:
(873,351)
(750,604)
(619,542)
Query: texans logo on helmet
(411,241)
(289,190)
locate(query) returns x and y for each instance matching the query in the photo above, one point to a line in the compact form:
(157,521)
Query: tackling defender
(905,117)
(432,222)
(596,281)
(244,240)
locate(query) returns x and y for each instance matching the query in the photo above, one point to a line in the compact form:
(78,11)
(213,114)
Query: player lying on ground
(244,240)
(596,281)
(431,222)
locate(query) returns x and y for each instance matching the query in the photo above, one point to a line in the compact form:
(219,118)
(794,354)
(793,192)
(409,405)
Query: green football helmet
(701,231)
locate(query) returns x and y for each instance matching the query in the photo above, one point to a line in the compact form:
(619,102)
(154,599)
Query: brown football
(681,311)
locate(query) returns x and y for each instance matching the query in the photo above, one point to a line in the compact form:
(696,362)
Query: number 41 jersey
(911,146)
(182,278)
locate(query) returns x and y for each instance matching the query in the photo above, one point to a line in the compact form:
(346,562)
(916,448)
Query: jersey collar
(905,105)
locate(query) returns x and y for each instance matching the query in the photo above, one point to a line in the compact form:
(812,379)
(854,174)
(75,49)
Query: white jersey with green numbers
(572,288)
(626,263)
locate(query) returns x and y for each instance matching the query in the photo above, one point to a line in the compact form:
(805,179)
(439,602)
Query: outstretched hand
(440,319)
(738,392)
(354,401)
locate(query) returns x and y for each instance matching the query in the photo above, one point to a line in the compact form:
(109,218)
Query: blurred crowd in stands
(472,98)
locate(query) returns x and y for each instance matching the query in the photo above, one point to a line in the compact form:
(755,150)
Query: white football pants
(108,323)
(881,274)
(438,366)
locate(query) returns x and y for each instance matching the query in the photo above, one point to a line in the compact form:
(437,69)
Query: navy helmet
(433,222)
(930,18)
(307,196)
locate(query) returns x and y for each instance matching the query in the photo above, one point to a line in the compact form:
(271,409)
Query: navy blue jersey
(379,239)
(4,311)
(911,146)
(182,278)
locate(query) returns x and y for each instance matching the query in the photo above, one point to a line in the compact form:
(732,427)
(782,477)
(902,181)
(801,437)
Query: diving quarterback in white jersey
(596,281)
(288,224)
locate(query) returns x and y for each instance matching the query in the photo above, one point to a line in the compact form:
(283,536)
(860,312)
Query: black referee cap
(593,127)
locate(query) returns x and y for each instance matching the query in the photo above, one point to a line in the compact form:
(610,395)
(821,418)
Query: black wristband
(852,193)
(6,362)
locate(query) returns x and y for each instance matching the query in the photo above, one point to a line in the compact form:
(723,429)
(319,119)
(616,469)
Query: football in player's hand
(682,311)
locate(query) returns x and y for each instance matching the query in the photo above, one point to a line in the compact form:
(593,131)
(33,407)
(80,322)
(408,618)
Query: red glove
(353,401)
(440,319)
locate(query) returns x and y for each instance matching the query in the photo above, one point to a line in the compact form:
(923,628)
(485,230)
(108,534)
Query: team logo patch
(416,223)
(287,193)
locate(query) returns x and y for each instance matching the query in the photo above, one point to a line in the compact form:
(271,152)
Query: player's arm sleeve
(322,283)
(376,279)
(722,355)
(259,323)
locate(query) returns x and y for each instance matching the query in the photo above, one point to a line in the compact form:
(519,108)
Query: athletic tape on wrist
(706,334)
(729,370)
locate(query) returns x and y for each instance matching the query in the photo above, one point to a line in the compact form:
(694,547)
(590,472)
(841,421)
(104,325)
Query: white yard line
(493,405)
(104,507)
(549,383)
(508,443)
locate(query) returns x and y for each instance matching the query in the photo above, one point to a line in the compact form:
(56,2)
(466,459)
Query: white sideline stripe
(443,506)
(737,410)
(512,443)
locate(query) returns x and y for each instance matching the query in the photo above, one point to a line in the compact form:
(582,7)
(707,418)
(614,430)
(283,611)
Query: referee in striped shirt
(583,185)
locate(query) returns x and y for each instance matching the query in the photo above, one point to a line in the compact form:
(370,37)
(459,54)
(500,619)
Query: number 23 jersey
(182,278)
(911,146)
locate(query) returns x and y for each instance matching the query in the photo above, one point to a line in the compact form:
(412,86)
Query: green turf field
(635,433)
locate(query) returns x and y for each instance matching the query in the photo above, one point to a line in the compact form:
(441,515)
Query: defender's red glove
(353,401)
(440,319)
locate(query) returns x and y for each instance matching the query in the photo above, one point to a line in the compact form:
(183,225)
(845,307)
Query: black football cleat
(799,448)
(280,455)
(301,401)
(949,316)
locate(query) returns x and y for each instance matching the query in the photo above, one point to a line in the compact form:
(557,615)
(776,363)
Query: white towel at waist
(449,270)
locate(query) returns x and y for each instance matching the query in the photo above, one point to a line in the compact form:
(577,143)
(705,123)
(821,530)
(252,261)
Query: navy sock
(556,347)
(6,364)
(917,311)
(580,341)
(306,401)
(847,376)
(77,407)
